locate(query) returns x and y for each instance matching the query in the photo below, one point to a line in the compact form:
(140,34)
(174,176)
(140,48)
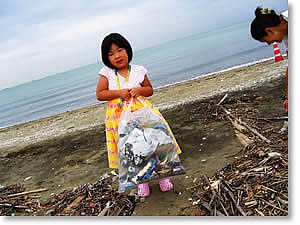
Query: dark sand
(64,151)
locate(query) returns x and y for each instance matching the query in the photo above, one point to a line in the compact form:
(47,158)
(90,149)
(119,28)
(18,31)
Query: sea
(175,61)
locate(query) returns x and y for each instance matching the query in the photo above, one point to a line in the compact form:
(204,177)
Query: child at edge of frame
(120,81)
(269,27)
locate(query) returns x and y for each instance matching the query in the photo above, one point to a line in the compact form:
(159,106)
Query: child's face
(118,57)
(273,35)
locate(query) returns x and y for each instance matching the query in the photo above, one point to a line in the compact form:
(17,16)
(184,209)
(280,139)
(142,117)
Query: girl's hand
(135,92)
(125,94)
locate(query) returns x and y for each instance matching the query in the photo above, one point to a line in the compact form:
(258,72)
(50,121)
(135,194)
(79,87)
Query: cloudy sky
(40,38)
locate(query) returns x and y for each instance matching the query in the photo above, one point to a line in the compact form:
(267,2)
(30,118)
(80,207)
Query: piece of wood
(231,195)
(206,205)
(27,192)
(283,201)
(268,189)
(119,211)
(275,118)
(103,212)
(224,208)
(255,132)
(243,139)
(222,100)
(259,212)
(193,186)
(275,206)
(238,126)
(75,202)
(245,125)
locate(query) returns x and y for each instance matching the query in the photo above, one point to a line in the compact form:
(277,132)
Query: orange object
(277,53)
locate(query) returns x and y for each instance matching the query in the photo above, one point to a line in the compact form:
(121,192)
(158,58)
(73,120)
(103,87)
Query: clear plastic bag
(146,149)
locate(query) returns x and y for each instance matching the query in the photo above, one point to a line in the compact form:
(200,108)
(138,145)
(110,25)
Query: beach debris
(114,173)
(243,138)
(253,191)
(196,202)
(222,100)
(98,199)
(14,200)
(242,125)
(27,178)
(142,199)
(26,192)
(256,182)
(285,127)
(104,176)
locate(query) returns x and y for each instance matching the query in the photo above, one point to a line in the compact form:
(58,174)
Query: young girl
(119,81)
(269,27)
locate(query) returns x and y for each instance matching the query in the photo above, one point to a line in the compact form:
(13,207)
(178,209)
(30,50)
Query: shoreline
(16,137)
(196,77)
(155,89)
(220,71)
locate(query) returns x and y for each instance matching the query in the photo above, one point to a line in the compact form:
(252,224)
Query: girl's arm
(103,94)
(146,90)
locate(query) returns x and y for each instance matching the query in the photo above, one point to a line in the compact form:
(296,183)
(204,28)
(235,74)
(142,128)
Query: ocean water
(168,63)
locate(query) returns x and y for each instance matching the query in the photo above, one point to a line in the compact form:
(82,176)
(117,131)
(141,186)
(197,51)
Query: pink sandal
(143,190)
(165,184)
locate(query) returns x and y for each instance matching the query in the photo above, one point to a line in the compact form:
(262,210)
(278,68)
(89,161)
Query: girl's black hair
(120,41)
(264,18)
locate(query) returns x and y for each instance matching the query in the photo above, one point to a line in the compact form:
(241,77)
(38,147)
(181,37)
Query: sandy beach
(66,150)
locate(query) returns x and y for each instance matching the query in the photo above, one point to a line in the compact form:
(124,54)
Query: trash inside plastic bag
(146,149)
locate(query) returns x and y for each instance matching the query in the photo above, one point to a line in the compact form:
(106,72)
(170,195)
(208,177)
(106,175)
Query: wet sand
(64,151)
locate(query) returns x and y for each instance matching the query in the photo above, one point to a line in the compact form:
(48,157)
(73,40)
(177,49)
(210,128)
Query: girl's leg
(165,184)
(143,190)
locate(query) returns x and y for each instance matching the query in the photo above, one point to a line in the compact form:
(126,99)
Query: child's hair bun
(258,11)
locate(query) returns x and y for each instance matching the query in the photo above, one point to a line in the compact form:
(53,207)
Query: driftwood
(206,205)
(103,212)
(238,123)
(222,100)
(275,118)
(243,139)
(75,202)
(98,199)
(234,201)
(18,200)
(27,192)
(256,183)
(245,125)
(95,199)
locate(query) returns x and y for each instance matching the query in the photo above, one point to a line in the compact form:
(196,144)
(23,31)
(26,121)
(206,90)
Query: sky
(41,38)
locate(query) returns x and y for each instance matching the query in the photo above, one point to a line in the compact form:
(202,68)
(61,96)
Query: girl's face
(118,56)
(273,35)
